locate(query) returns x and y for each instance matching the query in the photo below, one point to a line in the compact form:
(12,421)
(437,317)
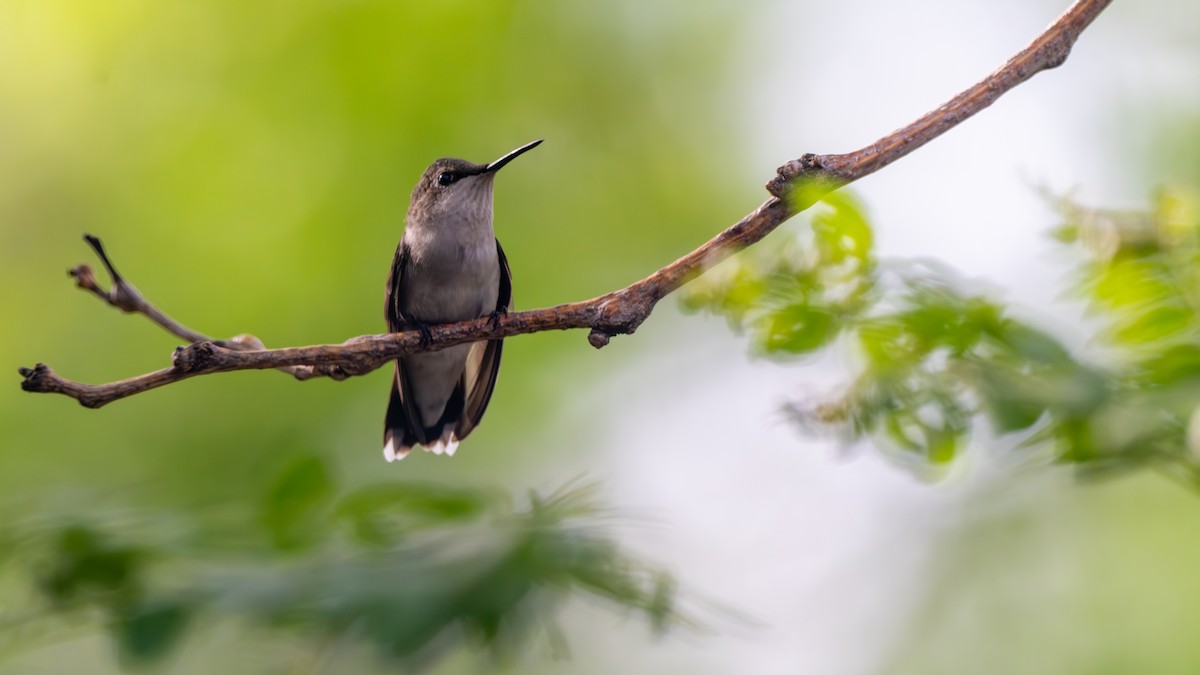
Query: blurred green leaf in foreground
(413,570)
(937,362)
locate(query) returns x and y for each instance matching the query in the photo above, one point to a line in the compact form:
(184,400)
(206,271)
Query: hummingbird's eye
(446,178)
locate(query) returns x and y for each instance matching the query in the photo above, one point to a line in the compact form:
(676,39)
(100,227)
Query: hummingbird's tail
(402,431)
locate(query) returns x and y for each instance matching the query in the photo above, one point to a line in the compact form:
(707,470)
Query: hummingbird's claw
(494,317)
(426,335)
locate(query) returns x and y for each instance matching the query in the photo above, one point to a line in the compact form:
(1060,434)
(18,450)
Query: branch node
(806,166)
(37,378)
(621,313)
(1056,52)
(333,372)
(125,297)
(301,373)
(194,357)
(243,343)
(85,278)
(598,338)
(91,401)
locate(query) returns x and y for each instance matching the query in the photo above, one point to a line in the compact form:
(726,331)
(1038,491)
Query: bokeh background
(248,166)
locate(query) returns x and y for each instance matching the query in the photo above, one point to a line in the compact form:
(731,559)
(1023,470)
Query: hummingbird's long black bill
(499,164)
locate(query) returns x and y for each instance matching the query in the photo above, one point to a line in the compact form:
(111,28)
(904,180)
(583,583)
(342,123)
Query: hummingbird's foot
(494,317)
(421,327)
(426,335)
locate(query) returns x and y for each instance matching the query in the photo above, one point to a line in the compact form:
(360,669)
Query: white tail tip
(442,446)
(446,445)
(389,450)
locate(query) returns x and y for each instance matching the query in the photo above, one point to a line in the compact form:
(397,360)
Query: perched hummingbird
(448,267)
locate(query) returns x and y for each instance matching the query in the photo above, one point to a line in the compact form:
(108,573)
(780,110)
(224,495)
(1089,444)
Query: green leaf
(1008,408)
(1157,323)
(886,343)
(797,329)
(1032,344)
(942,446)
(1130,283)
(900,428)
(1176,363)
(843,231)
(147,633)
(85,566)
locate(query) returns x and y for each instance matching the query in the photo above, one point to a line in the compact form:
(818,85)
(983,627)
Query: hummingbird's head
(458,189)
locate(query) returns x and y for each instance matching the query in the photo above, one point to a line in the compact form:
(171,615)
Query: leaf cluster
(415,570)
(937,362)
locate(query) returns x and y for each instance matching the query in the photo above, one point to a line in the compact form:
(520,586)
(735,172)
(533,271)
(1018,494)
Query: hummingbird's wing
(483,362)
(402,428)
(391,303)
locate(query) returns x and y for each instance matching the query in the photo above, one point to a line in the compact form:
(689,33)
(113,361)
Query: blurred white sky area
(834,557)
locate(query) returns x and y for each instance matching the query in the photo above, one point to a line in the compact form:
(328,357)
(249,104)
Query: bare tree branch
(128,299)
(798,185)
(125,297)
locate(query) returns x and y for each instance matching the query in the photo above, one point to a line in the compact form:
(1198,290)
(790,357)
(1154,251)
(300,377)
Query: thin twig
(797,186)
(125,297)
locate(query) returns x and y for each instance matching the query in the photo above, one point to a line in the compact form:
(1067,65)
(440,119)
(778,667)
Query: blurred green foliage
(248,167)
(414,569)
(937,362)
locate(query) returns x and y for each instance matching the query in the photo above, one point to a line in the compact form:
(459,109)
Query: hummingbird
(448,267)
